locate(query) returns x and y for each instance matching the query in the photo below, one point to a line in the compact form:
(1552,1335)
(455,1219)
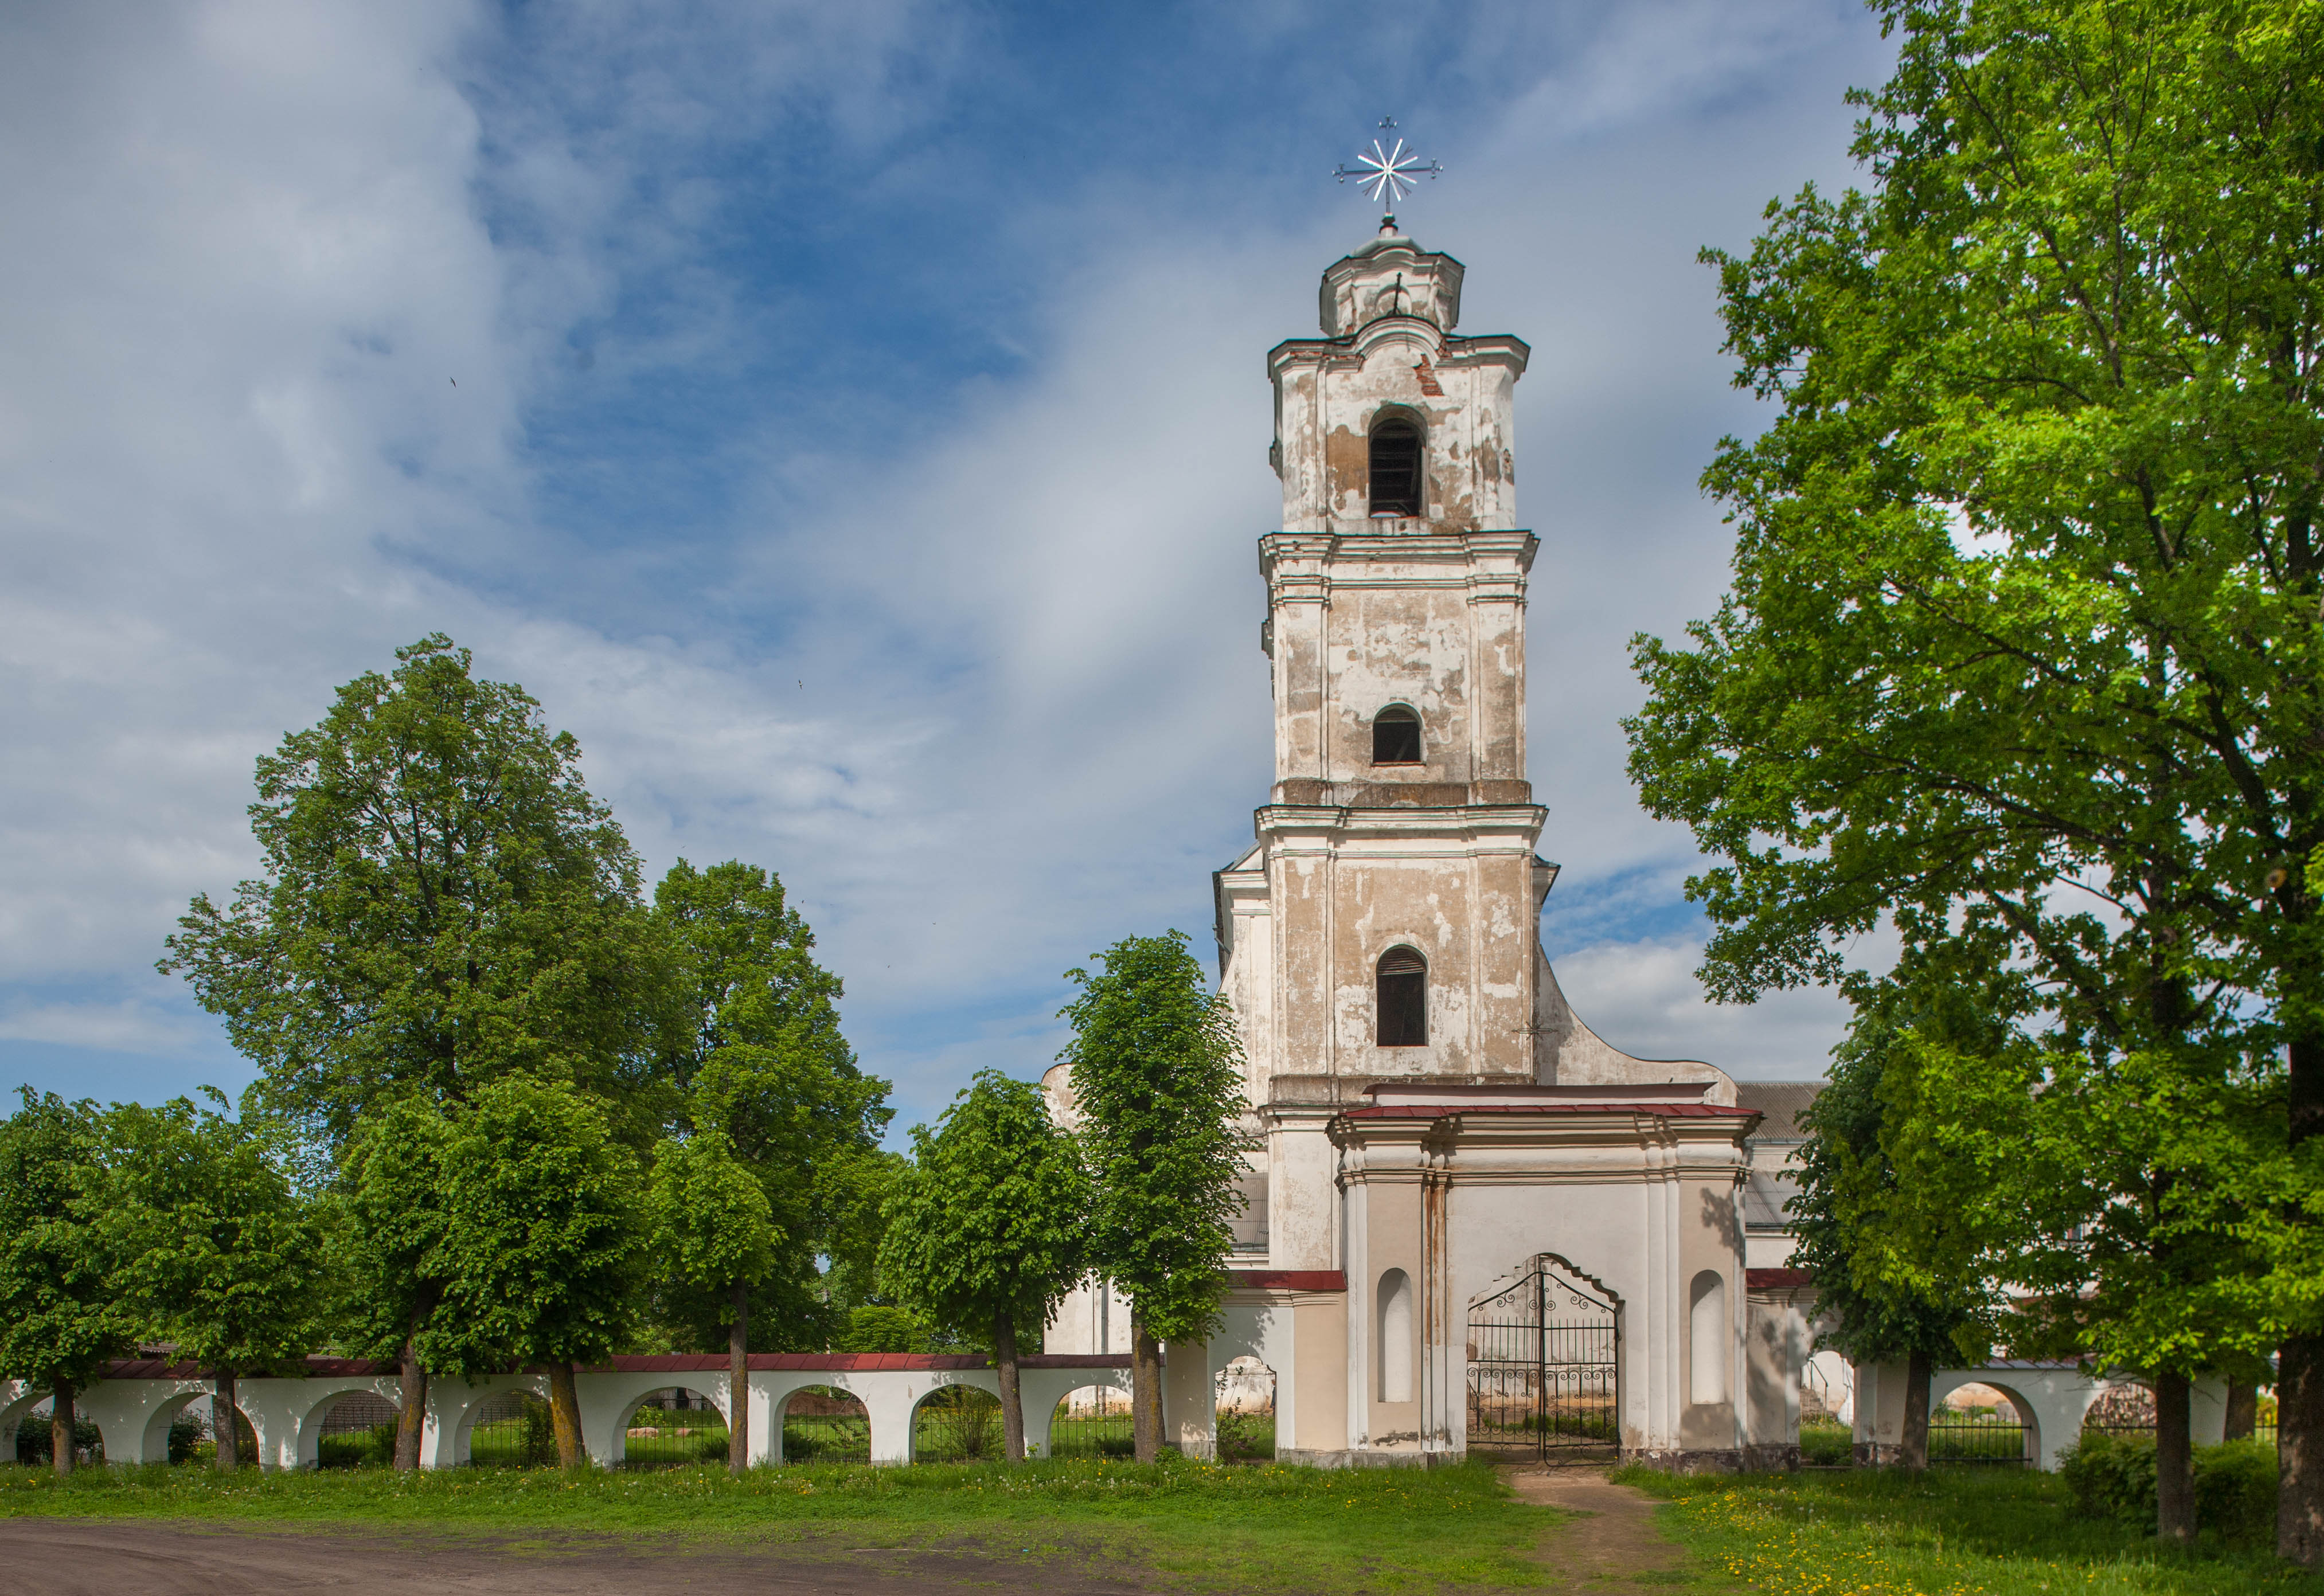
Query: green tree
(443,904)
(1897,1278)
(1157,1071)
(2024,635)
(986,1229)
(713,1240)
(760,1058)
(388,1251)
(62,1318)
(216,1249)
(541,1254)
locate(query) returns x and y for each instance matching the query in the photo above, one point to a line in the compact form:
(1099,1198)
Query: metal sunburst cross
(1390,170)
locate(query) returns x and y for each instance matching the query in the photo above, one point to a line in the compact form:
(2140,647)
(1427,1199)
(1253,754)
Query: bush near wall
(2113,1477)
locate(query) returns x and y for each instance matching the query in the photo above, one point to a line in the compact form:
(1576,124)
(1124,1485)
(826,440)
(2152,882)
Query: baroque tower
(1384,926)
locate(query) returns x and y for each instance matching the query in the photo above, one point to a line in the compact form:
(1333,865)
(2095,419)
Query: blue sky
(850,421)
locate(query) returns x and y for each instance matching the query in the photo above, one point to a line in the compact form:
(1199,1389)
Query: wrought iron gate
(1544,1371)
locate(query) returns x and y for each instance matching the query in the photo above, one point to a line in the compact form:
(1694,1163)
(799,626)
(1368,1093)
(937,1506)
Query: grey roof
(1782,1102)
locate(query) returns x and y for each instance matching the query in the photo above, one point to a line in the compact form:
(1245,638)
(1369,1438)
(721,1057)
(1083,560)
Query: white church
(1474,1224)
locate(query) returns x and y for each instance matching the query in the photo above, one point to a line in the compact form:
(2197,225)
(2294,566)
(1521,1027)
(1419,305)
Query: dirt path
(1618,1541)
(99,1557)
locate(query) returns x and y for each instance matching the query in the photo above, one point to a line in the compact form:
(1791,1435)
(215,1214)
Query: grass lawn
(1951,1532)
(1241,1527)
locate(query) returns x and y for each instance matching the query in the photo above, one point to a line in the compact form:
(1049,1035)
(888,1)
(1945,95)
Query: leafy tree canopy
(443,904)
(62,1315)
(712,1232)
(989,1223)
(1158,1073)
(214,1248)
(761,1061)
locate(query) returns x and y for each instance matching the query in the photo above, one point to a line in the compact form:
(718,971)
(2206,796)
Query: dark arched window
(1396,466)
(1395,736)
(1403,998)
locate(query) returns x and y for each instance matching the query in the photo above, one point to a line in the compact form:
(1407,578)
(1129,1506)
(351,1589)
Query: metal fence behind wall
(1092,1423)
(511,1430)
(1994,1436)
(825,1424)
(674,1427)
(358,1432)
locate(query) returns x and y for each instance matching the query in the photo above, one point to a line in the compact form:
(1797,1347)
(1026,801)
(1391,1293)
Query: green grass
(1951,1532)
(1215,1527)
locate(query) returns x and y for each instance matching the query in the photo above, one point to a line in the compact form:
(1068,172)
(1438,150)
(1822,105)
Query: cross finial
(1388,170)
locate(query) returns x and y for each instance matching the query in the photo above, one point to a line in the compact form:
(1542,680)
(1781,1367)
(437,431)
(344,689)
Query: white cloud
(292,285)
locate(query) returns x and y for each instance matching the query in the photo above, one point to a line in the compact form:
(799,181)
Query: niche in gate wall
(1706,1336)
(1393,1336)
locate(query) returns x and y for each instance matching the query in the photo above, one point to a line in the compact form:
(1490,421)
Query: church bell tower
(1383,927)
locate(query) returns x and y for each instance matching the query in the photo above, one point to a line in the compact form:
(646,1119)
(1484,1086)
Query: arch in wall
(30,1418)
(694,1436)
(154,1445)
(822,1424)
(1400,1007)
(1242,1408)
(1396,735)
(1091,1422)
(507,1428)
(1392,1337)
(956,1424)
(2029,1412)
(1709,1345)
(1393,454)
(343,1412)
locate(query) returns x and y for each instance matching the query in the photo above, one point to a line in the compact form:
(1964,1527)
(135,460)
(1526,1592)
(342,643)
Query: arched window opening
(1403,998)
(1396,466)
(1396,735)
(1707,1338)
(1394,1356)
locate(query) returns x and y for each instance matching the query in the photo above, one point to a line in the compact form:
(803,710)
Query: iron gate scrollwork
(1544,1364)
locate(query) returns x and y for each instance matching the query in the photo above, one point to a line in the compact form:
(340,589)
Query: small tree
(388,1249)
(541,1242)
(1891,1284)
(61,1316)
(759,1055)
(988,1228)
(216,1249)
(1158,1073)
(713,1242)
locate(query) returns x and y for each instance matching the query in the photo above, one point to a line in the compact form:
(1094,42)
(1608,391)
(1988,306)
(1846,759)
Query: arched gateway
(1544,1368)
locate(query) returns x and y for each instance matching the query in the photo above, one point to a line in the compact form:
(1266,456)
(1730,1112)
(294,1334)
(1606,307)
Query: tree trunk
(60,1428)
(1913,1454)
(2300,1450)
(565,1415)
(1012,1398)
(1145,1392)
(738,1385)
(2299,1360)
(2243,1410)
(2174,1456)
(222,1416)
(411,1411)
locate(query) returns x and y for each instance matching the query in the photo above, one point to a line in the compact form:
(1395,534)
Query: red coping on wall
(1773,1280)
(668,1363)
(1437,1111)
(1288,1280)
